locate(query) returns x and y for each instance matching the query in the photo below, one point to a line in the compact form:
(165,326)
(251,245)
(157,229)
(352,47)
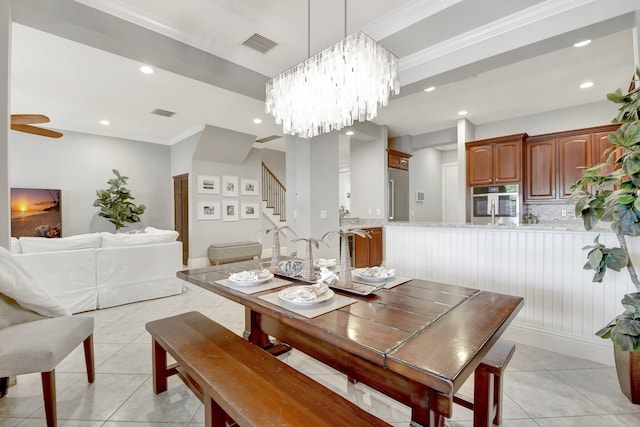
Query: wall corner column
(466,132)
(5,71)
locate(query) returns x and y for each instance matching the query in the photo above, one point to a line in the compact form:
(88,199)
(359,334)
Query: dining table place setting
(253,281)
(379,276)
(308,300)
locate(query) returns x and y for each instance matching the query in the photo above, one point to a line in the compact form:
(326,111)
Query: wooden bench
(487,388)
(238,380)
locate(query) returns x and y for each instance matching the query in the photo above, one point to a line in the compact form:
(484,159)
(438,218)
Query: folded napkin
(321,262)
(249,276)
(377,272)
(304,293)
(327,276)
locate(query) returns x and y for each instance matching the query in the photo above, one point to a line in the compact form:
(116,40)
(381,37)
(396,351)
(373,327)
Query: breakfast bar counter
(540,262)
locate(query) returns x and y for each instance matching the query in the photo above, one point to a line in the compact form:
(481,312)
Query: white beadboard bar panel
(562,309)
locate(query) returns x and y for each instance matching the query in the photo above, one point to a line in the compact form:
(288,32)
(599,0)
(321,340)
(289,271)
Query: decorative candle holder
(344,278)
(275,249)
(309,273)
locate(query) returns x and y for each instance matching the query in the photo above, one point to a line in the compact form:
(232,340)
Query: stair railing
(273,192)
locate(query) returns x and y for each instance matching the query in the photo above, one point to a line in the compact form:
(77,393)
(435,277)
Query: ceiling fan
(23,122)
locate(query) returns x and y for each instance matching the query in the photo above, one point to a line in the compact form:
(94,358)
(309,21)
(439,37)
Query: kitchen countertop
(569,226)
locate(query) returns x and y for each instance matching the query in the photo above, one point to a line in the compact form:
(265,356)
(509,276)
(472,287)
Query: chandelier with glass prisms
(345,82)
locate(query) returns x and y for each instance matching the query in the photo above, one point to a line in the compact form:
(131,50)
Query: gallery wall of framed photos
(232,198)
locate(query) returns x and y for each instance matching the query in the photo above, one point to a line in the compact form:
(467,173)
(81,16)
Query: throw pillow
(17,284)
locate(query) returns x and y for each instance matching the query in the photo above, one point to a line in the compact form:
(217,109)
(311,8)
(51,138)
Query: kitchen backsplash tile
(552,214)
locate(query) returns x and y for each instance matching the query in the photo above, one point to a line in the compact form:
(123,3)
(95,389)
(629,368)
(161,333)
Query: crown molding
(404,16)
(128,12)
(495,29)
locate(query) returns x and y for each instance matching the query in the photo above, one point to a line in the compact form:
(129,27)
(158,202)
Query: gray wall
(276,161)
(5,55)
(312,178)
(368,177)
(204,232)
(79,164)
(582,116)
(426,176)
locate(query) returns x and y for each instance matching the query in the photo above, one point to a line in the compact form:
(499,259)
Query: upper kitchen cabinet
(495,160)
(553,162)
(398,159)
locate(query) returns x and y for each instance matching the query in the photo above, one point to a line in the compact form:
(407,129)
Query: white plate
(324,297)
(253,282)
(358,274)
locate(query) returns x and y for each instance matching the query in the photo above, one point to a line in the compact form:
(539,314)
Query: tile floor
(541,388)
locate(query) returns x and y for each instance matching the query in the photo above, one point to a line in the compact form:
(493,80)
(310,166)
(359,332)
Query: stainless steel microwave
(496,204)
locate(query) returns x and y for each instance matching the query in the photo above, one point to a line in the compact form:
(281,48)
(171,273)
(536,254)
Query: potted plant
(611,194)
(115,202)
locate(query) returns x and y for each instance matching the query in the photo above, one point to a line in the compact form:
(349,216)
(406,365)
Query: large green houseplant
(115,202)
(612,194)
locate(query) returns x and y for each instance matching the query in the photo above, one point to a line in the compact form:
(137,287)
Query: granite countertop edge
(578,228)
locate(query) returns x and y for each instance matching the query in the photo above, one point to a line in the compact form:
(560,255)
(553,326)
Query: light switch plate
(323,214)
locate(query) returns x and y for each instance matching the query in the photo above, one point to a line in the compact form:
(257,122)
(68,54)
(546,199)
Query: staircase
(273,193)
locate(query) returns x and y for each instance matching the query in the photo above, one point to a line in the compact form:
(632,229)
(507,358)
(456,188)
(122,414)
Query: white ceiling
(496,59)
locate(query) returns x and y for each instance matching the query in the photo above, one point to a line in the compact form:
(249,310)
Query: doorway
(181,212)
(450,205)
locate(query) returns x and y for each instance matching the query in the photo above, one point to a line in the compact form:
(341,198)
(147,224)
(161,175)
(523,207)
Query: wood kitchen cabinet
(368,252)
(398,159)
(553,162)
(495,160)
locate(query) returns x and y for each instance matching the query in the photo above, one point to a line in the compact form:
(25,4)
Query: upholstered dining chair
(36,332)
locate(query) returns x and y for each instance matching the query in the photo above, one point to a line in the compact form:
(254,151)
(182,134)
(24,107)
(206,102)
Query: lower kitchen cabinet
(368,252)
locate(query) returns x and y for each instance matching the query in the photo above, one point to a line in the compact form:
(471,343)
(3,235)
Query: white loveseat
(100,270)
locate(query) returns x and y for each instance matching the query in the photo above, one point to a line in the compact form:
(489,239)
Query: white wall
(79,164)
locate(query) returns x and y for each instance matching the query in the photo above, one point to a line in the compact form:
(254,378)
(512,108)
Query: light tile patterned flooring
(541,388)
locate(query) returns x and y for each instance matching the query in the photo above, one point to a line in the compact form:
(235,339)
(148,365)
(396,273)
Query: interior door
(181,212)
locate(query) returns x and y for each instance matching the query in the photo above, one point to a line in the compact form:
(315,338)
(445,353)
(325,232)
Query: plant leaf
(616,259)
(595,258)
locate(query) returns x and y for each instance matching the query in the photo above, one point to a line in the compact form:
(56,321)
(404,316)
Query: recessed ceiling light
(349,133)
(462,113)
(146,69)
(257,121)
(105,122)
(586,85)
(582,43)
(430,89)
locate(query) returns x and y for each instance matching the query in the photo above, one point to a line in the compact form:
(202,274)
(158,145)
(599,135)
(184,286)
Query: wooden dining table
(416,342)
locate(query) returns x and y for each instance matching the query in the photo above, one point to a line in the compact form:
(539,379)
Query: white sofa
(100,270)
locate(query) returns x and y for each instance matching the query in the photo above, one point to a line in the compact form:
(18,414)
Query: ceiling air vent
(161,112)
(268,138)
(260,43)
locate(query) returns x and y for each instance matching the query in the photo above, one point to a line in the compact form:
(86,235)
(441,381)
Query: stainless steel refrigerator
(398,195)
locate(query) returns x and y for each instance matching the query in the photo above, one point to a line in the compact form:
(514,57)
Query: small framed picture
(229,185)
(249,211)
(208,184)
(249,187)
(208,210)
(230,210)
